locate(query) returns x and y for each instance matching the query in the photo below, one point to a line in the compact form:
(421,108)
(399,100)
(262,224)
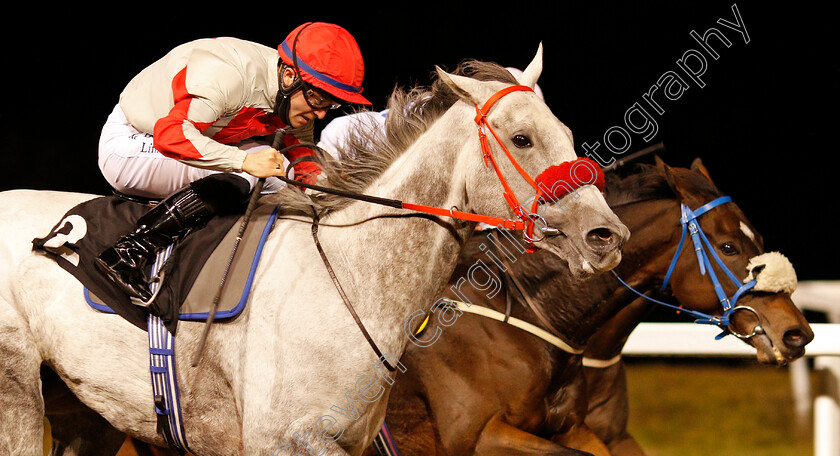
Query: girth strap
(384,443)
(165,392)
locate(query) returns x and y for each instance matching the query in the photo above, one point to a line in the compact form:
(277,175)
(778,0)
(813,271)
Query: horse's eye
(521,141)
(728,248)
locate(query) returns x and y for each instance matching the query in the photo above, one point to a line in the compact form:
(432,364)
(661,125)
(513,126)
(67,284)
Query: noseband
(703,249)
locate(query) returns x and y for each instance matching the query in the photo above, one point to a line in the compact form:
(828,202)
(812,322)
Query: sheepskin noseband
(772,272)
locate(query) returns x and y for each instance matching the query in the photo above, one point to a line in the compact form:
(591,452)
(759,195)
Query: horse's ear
(671,179)
(697,165)
(469,89)
(532,72)
(660,163)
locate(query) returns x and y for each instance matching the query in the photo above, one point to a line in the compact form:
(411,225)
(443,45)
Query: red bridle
(481,120)
(545,185)
(547,180)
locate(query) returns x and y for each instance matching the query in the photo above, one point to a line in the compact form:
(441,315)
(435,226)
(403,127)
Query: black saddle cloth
(105,220)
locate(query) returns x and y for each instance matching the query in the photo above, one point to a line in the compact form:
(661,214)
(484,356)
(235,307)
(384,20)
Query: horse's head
(517,137)
(763,313)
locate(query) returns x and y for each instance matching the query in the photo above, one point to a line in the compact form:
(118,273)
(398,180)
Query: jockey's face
(301,111)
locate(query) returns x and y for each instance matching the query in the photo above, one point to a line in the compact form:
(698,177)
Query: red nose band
(559,180)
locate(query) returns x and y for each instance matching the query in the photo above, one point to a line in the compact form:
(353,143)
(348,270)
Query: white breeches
(131,164)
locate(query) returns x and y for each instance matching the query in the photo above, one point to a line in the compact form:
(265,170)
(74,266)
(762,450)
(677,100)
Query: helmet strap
(282,103)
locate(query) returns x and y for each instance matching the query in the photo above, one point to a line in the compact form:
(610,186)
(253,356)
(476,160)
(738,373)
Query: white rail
(689,339)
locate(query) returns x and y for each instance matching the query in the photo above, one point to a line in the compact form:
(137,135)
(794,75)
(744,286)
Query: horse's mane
(369,150)
(648,182)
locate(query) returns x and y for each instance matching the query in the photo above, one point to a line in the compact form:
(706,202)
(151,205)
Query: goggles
(316,98)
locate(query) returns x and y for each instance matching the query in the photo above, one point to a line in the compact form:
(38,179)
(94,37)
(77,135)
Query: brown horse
(606,376)
(475,385)
(606,379)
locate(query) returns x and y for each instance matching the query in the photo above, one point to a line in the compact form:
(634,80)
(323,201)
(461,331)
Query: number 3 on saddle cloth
(192,273)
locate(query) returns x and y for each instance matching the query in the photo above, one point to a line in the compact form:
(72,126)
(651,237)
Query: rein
(452,212)
(343,295)
(495,221)
(527,220)
(691,226)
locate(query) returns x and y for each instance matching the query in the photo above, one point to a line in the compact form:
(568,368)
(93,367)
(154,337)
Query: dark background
(763,124)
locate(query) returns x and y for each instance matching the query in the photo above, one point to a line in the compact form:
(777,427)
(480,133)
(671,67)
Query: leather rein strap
(472,217)
(343,295)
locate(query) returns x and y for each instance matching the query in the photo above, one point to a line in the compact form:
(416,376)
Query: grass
(713,408)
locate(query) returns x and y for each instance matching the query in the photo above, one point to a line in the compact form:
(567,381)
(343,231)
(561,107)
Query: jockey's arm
(179,136)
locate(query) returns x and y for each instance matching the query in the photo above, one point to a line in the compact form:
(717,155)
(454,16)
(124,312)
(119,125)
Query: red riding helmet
(327,57)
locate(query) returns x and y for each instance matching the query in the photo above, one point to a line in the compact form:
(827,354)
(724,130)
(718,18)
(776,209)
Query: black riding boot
(172,219)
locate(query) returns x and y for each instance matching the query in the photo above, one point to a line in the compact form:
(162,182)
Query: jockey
(179,131)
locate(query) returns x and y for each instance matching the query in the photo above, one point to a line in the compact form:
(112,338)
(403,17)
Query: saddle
(191,273)
(192,269)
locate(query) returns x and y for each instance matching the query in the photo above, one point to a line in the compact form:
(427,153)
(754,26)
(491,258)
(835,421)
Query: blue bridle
(703,249)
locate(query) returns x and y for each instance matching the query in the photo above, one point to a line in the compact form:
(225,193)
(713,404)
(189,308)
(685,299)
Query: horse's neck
(403,260)
(577,309)
(430,173)
(608,341)
(656,243)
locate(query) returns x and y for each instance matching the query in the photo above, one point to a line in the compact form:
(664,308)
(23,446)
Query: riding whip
(655,148)
(252,203)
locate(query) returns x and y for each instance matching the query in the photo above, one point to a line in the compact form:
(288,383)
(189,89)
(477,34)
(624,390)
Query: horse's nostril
(600,237)
(795,338)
